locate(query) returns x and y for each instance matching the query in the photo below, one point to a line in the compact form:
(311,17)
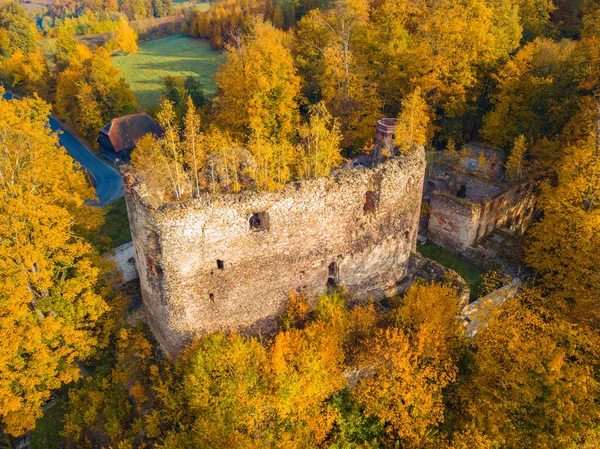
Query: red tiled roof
(124,132)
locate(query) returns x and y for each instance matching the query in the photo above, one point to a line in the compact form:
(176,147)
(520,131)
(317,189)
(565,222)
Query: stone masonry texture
(228,262)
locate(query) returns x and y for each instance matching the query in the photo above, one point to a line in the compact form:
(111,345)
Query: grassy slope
(470,273)
(173,55)
(204,6)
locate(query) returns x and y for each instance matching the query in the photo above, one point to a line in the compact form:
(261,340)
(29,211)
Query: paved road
(109,185)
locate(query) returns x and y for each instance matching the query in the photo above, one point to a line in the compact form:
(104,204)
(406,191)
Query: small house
(119,137)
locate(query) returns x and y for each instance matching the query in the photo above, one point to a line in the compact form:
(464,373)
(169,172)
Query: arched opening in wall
(258,221)
(462,192)
(220,264)
(211,298)
(407,236)
(333,271)
(370,202)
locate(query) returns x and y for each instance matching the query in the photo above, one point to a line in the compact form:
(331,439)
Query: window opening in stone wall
(258,221)
(406,235)
(211,298)
(462,192)
(220,264)
(332,280)
(370,202)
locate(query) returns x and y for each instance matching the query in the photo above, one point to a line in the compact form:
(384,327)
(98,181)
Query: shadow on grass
(470,272)
(115,230)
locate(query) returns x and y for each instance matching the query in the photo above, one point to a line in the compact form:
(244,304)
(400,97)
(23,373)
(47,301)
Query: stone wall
(453,221)
(457,223)
(124,257)
(228,262)
(512,209)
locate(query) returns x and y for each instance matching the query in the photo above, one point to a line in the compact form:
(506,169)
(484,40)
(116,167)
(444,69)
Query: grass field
(204,6)
(173,55)
(469,272)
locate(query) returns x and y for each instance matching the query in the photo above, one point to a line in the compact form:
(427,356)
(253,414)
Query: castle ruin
(467,201)
(230,261)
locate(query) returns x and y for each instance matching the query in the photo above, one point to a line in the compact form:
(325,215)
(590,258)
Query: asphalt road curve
(109,185)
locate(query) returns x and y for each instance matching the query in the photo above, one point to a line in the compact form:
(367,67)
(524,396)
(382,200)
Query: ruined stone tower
(229,262)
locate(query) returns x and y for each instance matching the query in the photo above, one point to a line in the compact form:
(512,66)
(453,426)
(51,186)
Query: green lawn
(203,6)
(173,55)
(469,272)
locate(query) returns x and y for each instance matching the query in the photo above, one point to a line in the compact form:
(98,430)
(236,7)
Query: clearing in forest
(173,55)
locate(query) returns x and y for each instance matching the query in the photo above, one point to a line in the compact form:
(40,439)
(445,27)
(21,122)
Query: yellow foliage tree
(413,122)
(515,163)
(320,140)
(332,67)
(563,247)
(49,301)
(91,92)
(258,85)
(531,381)
(273,162)
(126,36)
(411,363)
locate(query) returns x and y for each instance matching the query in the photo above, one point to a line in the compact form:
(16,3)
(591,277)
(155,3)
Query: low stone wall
(476,314)
(420,267)
(124,256)
(229,262)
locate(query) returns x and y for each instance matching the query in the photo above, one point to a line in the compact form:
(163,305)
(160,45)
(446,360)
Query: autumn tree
(104,405)
(160,162)
(413,123)
(411,362)
(28,73)
(564,244)
(531,381)
(126,36)
(50,303)
(446,48)
(92,92)
(222,23)
(258,85)
(68,50)
(274,161)
(535,17)
(207,405)
(320,141)
(515,163)
(17,29)
(537,94)
(330,64)
(195,151)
